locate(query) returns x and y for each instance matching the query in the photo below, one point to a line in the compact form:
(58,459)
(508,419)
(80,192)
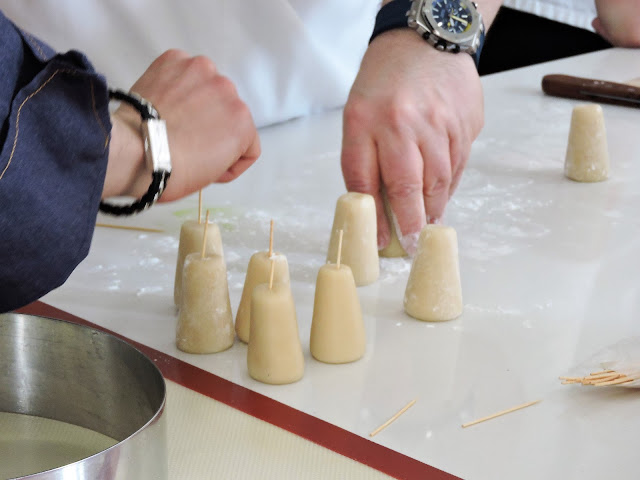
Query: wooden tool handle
(591,90)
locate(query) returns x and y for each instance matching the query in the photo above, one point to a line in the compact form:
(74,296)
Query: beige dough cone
(356,215)
(190,242)
(274,354)
(337,328)
(587,158)
(394,249)
(205,323)
(433,290)
(258,272)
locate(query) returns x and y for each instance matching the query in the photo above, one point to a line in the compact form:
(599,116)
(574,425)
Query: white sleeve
(287,57)
(577,13)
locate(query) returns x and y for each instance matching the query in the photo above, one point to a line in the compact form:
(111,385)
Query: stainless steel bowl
(81,376)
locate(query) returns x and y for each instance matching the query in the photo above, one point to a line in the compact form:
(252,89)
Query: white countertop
(549,272)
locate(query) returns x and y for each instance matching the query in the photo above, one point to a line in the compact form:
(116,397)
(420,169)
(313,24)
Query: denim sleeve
(54,140)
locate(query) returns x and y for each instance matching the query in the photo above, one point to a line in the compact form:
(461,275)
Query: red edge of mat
(264,408)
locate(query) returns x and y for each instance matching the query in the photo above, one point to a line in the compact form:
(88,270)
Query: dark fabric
(517,39)
(391,16)
(54,133)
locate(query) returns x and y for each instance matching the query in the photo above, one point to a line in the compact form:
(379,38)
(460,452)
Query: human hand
(211,133)
(411,117)
(618,22)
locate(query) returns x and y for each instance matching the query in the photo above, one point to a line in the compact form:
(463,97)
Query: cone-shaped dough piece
(587,158)
(433,290)
(274,354)
(337,328)
(205,323)
(394,249)
(355,215)
(258,271)
(190,242)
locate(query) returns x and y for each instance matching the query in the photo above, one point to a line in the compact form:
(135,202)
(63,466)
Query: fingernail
(383,241)
(410,242)
(434,220)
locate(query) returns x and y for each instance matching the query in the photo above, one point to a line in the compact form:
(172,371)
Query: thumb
(600,30)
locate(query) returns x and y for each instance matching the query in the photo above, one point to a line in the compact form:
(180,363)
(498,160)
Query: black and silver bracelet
(156,152)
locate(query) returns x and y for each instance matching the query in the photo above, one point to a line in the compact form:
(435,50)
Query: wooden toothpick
(127,227)
(503,412)
(394,418)
(615,381)
(596,376)
(602,378)
(271,239)
(598,379)
(200,207)
(204,235)
(339,248)
(273,268)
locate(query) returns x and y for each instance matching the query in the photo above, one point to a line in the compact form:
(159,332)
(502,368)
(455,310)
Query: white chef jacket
(578,13)
(287,58)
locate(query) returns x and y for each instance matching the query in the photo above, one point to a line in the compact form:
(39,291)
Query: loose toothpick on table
(204,236)
(602,378)
(128,227)
(339,248)
(503,412)
(395,417)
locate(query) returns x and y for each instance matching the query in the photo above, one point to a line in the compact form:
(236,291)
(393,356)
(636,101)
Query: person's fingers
(402,168)
(212,135)
(458,166)
(249,140)
(168,57)
(600,30)
(361,174)
(459,150)
(235,170)
(248,159)
(174,77)
(162,72)
(437,176)
(253,152)
(197,82)
(358,159)
(162,64)
(197,74)
(169,64)
(209,132)
(359,162)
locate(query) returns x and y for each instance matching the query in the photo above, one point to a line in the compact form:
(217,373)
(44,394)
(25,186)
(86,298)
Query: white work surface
(549,272)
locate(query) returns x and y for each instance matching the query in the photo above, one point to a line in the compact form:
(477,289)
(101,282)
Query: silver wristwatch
(156,152)
(450,25)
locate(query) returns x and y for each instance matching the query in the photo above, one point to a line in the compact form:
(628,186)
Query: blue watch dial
(452,15)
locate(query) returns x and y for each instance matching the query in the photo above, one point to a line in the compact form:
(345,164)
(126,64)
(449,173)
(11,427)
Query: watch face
(454,20)
(451,15)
